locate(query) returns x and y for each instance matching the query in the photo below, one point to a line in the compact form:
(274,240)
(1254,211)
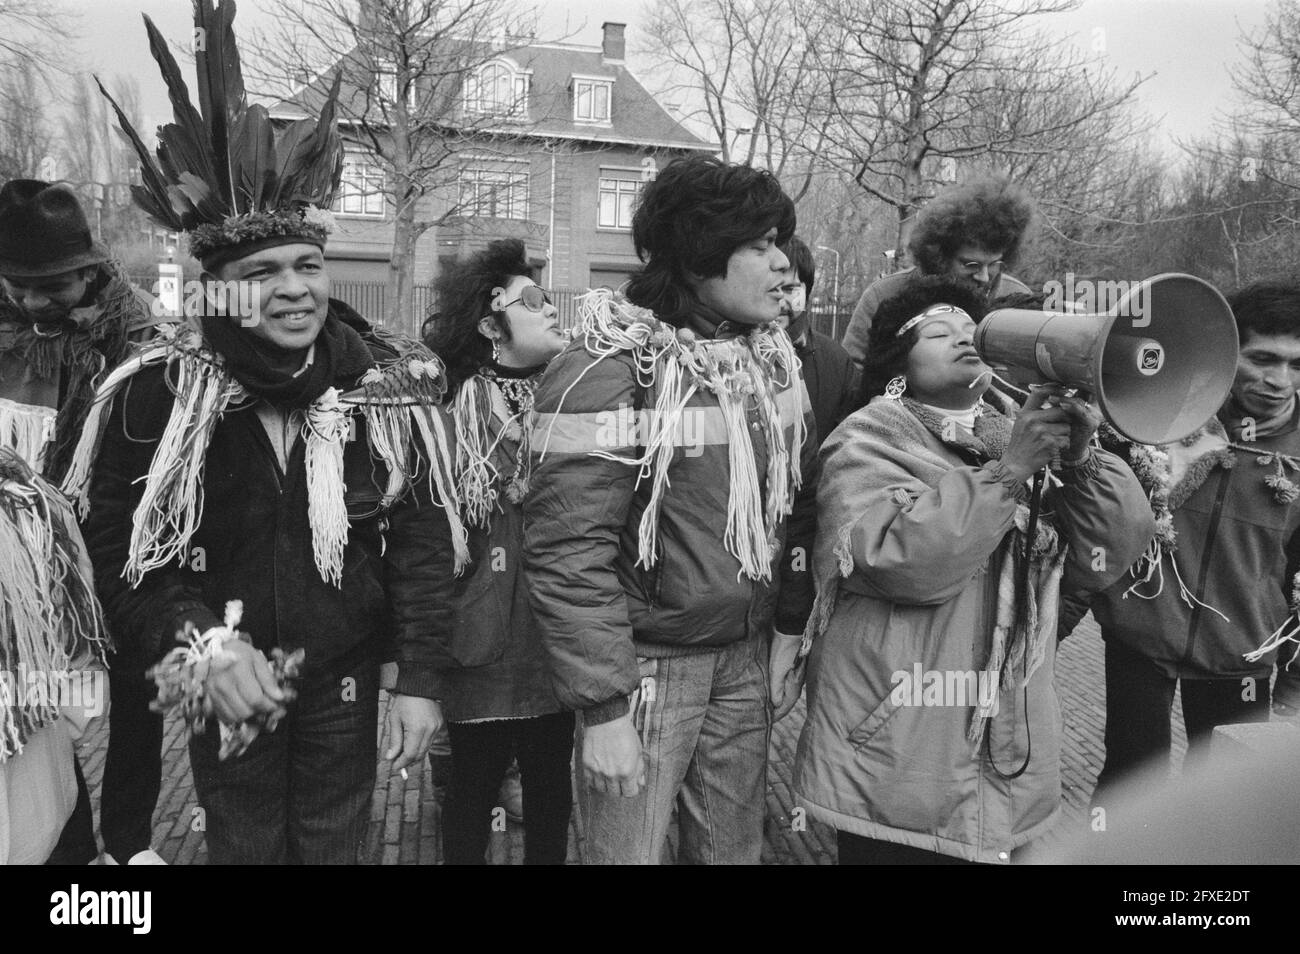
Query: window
(591,99)
(617,199)
(499,191)
(497,90)
(361,187)
(386,84)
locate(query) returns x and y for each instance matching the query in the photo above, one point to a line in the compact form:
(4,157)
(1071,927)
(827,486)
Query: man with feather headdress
(289,458)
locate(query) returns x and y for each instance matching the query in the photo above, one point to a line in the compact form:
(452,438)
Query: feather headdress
(224,174)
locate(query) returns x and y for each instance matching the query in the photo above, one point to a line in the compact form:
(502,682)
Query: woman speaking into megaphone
(933,730)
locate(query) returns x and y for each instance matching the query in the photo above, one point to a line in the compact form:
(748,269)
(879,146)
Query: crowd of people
(614,557)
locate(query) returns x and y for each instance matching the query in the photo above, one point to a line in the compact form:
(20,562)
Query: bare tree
(25,137)
(32,32)
(1268,79)
(920,85)
(405,65)
(749,74)
(95,158)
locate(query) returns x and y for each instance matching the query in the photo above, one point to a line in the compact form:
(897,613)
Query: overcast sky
(1187,44)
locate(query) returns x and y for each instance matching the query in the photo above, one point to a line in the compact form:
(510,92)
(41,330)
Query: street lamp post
(835,291)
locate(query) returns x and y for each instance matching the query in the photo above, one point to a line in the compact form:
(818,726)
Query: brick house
(578,134)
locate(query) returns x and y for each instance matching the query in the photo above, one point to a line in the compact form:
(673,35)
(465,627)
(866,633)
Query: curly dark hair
(1267,308)
(990,212)
(690,220)
(886,352)
(464,294)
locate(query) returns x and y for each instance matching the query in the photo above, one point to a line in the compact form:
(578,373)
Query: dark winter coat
(254,543)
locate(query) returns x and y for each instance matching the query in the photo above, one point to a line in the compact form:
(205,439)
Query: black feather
(221,85)
(252,150)
(316,163)
(188,141)
(153,186)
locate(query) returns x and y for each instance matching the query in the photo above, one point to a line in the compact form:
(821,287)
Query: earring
(496,351)
(895,388)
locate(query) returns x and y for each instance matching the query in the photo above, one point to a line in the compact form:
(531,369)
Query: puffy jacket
(493,666)
(596,607)
(1235,551)
(855,335)
(920,596)
(254,543)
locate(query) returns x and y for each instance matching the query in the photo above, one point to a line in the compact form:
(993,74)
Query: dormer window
(498,89)
(591,99)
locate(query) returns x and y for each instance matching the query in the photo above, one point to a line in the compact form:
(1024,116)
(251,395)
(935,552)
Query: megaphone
(1160,362)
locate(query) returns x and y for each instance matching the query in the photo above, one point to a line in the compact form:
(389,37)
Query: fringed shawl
(741,372)
(50,620)
(901,435)
(397,400)
(82,353)
(488,434)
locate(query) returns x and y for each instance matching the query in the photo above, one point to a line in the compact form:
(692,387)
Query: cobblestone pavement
(405,815)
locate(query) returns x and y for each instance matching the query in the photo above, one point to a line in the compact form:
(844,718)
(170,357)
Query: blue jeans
(300,794)
(705,735)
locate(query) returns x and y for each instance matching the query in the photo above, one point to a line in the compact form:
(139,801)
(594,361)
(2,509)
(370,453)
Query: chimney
(612,47)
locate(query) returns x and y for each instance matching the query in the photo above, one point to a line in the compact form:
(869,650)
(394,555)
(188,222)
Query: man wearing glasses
(971,233)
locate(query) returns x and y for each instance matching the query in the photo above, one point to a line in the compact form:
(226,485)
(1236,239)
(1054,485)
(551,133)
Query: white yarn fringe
(27,429)
(326,429)
(734,370)
(76,483)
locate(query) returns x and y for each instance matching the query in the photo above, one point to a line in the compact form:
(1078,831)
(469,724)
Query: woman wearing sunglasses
(933,730)
(496,332)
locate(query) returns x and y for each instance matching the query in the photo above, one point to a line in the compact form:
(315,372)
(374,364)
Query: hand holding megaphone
(1052,424)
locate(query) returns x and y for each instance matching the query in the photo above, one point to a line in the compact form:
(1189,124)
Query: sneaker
(511,795)
(146,857)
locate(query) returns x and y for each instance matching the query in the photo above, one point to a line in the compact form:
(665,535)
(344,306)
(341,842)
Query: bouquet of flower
(181,678)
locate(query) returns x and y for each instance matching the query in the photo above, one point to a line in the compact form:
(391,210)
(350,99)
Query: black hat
(43,231)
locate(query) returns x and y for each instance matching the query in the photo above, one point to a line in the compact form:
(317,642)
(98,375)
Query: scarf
(897,437)
(90,340)
(747,366)
(492,412)
(340,354)
(396,398)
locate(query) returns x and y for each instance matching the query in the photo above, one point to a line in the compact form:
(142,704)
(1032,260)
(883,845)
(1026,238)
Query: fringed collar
(492,416)
(92,340)
(986,442)
(745,373)
(1171,474)
(397,400)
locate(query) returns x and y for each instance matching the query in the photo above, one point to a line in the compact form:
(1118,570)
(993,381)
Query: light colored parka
(914,530)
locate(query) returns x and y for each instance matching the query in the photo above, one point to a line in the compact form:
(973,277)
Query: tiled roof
(636,117)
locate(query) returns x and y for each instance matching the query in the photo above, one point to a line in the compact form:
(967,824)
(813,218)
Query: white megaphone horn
(1160,362)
